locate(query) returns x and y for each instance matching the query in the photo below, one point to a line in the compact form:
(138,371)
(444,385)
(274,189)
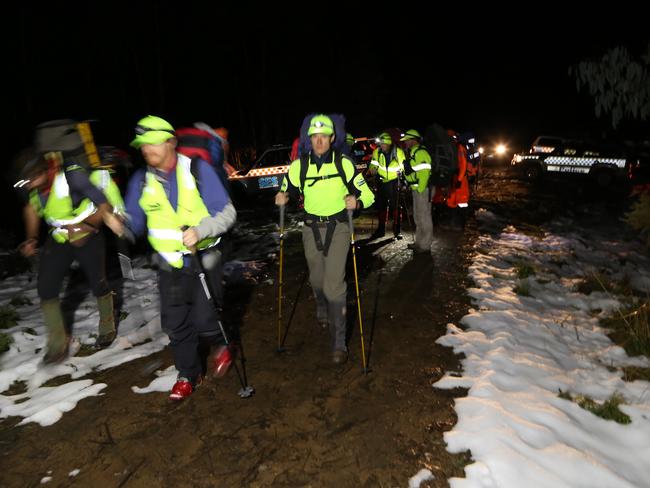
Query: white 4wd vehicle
(550,155)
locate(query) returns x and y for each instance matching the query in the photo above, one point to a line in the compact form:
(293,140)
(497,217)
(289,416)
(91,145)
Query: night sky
(257,72)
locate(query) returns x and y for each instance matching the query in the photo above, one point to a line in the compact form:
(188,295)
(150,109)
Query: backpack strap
(338,162)
(340,173)
(408,167)
(194,169)
(304,166)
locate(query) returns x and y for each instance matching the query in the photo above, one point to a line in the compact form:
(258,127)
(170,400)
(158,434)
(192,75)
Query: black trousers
(55,261)
(188,317)
(386,200)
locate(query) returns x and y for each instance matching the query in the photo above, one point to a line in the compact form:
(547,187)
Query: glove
(458,184)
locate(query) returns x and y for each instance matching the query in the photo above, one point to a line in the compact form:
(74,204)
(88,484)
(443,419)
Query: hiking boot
(107,332)
(183,388)
(416,249)
(105,340)
(398,237)
(377,234)
(55,356)
(222,359)
(58,340)
(339,357)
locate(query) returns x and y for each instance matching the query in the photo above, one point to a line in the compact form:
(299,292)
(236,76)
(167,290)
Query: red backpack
(195,143)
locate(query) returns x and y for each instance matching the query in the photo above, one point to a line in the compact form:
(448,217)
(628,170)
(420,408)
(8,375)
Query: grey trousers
(327,278)
(422,218)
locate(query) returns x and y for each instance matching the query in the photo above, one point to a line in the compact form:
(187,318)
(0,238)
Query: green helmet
(411,134)
(321,124)
(349,139)
(152,130)
(384,138)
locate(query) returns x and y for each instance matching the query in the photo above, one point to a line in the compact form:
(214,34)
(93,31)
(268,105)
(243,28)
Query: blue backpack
(304,146)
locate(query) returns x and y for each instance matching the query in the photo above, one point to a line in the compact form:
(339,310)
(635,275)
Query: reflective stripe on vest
(388,171)
(58,211)
(421,166)
(102,180)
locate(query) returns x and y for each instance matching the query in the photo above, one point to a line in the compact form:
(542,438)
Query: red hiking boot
(183,388)
(222,359)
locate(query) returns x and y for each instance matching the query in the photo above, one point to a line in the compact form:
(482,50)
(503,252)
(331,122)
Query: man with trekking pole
(185,209)
(331,188)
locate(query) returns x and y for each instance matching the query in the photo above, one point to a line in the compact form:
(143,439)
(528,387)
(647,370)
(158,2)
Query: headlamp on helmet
(321,124)
(410,135)
(384,138)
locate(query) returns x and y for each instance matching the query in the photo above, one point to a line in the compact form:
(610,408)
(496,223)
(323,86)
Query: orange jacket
(459,196)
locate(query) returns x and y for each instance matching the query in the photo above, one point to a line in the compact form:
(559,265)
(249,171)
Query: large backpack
(444,154)
(201,143)
(71,139)
(304,144)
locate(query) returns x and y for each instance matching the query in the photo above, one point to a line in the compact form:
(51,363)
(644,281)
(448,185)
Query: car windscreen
(361,150)
(274,157)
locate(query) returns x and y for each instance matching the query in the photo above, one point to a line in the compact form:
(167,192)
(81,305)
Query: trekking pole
(126,267)
(280,279)
(410,220)
(408,215)
(397,211)
(246,390)
(356,284)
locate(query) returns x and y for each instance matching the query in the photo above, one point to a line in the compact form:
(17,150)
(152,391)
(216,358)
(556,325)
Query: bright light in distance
(481,149)
(500,149)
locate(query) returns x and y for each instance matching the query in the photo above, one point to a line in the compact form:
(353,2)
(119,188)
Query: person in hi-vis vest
(184,208)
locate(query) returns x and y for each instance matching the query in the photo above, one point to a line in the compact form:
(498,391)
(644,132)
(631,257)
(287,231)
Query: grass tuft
(8,317)
(522,289)
(600,282)
(5,342)
(630,328)
(19,301)
(607,410)
(633,373)
(524,270)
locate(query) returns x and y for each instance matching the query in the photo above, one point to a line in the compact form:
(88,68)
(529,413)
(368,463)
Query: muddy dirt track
(310,423)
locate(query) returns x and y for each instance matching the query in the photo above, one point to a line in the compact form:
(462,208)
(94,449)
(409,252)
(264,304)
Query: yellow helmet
(152,130)
(410,135)
(384,138)
(321,124)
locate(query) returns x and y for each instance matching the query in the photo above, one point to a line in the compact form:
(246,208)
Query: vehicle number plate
(567,169)
(573,169)
(269,182)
